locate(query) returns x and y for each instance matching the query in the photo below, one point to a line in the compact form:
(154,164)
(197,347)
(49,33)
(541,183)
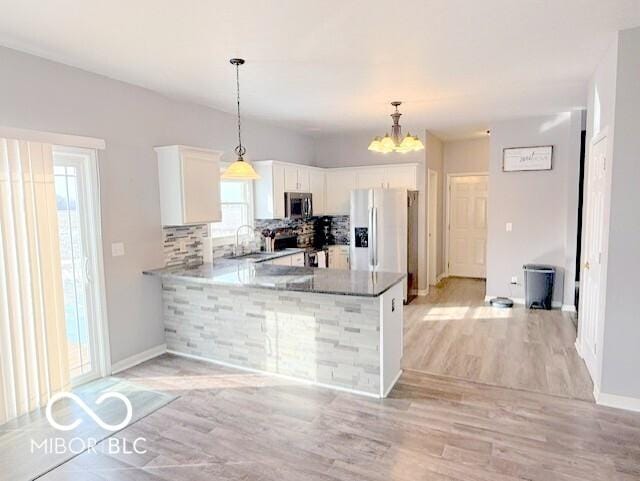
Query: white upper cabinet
(340,183)
(330,188)
(371,178)
(317,185)
(402,176)
(268,191)
(189,181)
(296,178)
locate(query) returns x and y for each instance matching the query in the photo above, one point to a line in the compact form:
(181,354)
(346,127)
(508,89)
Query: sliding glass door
(78,242)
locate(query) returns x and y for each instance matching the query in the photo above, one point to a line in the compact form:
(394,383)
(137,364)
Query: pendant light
(240,169)
(395,142)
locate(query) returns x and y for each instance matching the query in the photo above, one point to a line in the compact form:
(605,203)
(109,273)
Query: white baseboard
(568,308)
(275,374)
(615,401)
(440,277)
(138,358)
(423,292)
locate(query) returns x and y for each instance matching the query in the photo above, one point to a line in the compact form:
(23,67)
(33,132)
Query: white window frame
(244,235)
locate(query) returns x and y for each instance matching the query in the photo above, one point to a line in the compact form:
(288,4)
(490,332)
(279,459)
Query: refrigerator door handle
(375,236)
(371,236)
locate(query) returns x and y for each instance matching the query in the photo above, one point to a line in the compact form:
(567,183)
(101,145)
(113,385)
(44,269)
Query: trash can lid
(539,268)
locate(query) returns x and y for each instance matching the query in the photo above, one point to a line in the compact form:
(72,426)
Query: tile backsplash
(185,244)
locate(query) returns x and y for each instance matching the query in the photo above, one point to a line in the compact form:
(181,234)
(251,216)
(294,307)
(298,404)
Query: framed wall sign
(527,158)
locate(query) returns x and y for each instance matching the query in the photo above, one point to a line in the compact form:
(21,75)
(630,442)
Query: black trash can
(538,285)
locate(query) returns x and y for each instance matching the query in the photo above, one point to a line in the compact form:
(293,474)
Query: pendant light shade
(240,169)
(395,142)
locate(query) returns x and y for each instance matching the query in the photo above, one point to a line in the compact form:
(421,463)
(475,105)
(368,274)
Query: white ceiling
(319,66)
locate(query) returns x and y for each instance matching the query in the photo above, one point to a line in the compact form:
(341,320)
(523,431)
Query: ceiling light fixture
(240,169)
(395,142)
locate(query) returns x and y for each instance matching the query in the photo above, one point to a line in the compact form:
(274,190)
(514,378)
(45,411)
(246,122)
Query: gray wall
(462,156)
(42,95)
(542,205)
(620,354)
(350,150)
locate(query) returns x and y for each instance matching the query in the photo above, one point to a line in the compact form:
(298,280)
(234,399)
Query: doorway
(467,225)
(432,227)
(76,189)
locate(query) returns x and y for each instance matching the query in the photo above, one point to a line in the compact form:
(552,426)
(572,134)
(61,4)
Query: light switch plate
(514,280)
(117,249)
(509,226)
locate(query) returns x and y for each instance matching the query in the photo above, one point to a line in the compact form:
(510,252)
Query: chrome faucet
(236,249)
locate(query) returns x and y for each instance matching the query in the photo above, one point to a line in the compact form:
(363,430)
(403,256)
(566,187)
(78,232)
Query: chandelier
(395,142)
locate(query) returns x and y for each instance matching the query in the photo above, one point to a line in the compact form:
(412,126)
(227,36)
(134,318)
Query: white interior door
(467,226)
(589,313)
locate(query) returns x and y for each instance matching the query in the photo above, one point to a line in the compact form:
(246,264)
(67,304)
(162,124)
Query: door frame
(432,215)
(91,179)
(447,207)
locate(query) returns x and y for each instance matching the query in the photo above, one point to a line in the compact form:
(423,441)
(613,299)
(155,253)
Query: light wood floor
(233,425)
(451,332)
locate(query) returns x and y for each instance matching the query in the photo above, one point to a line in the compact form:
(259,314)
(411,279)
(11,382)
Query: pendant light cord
(240,150)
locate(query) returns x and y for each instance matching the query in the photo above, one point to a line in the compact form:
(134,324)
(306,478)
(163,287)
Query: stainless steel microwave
(298,205)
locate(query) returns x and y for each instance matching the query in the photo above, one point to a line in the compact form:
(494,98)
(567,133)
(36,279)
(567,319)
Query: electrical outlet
(509,226)
(514,280)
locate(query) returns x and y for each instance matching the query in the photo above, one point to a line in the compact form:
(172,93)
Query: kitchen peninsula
(336,328)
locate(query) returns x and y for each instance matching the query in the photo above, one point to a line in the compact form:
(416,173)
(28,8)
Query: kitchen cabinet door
(268,191)
(317,189)
(371,178)
(402,176)
(297,259)
(189,182)
(340,183)
(282,261)
(291,178)
(303,179)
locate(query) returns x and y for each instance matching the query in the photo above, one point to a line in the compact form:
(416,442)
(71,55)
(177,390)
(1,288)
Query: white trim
(568,308)
(52,138)
(431,269)
(393,384)
(440,277)
(615,400)
(447,202)
(423,292)
(88,161)
(274,374)
(139,358)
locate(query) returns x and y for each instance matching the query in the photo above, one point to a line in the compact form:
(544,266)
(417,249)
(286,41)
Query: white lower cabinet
(339,257)
(290,260)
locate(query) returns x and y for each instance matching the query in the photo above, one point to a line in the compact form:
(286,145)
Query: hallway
(452,332)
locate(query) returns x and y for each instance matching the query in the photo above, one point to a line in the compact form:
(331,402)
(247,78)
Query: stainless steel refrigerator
(380,237)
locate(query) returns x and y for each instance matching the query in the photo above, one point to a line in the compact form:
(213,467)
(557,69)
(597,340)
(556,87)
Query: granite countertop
(235,272)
